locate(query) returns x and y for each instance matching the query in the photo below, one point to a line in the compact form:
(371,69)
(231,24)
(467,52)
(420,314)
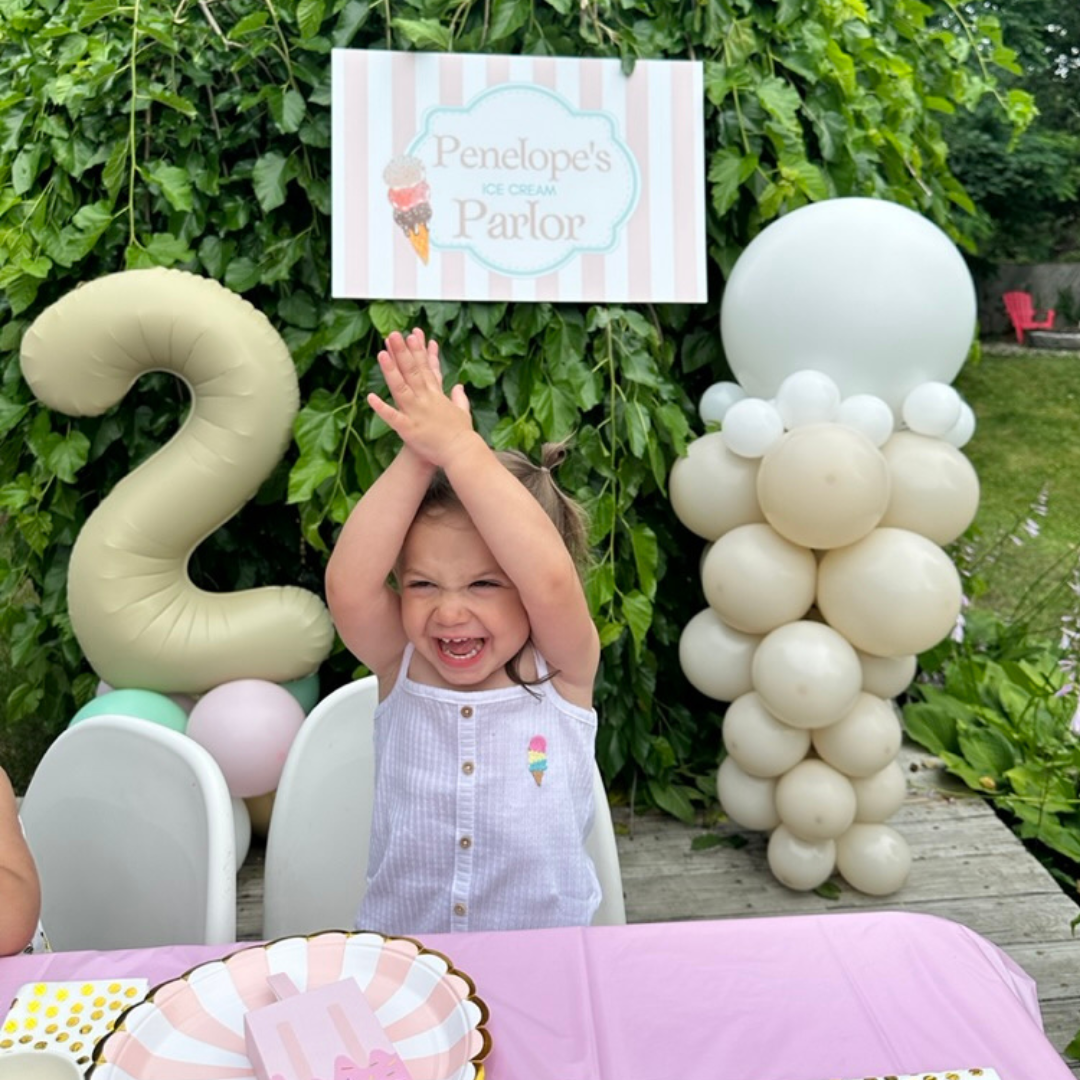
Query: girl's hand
(428,421)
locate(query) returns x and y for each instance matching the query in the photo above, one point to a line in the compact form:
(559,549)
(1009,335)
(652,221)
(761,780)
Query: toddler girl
(485,655)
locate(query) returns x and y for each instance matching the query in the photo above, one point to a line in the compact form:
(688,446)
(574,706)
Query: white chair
(317,842)
(132,828)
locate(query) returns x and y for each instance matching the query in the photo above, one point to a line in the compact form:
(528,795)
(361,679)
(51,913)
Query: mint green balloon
(305,690)
(141,704)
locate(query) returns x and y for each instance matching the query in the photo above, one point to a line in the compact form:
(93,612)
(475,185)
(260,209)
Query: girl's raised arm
(515,527)
(365,609)
(20,895)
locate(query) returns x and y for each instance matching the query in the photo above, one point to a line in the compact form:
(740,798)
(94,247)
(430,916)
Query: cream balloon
(879,795)
(892,593)
(799,864)
(887,676)
(748,800)
(868,292)
(807,397)
(715,658)
(752,427)
(815,801)
(807,674)
(717,399)
(823,486)
(873,858)
(755,580)
(137,615)
(867,414)
(713,490)
(931,409)
(934,489)
(864,741)
(760,744)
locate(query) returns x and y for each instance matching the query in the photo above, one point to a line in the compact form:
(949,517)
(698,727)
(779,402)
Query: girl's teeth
(448,644)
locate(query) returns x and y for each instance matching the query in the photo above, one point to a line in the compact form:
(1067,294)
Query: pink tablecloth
(804,998)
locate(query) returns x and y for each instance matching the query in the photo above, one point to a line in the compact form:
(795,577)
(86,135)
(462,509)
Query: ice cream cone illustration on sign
(538,758)
(409,193)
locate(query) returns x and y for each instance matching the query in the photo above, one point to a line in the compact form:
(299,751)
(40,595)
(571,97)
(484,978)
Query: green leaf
(988,751)
(242,274)
(424,33)
(637,609)
(175,185)
(673,799)
(728,171)
(174,101)
(167,250)
(646,557)
(507,17)
(829,890)
(249,24)
(270,178)
(309,17)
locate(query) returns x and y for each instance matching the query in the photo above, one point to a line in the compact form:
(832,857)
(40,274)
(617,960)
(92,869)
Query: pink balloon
(248,726)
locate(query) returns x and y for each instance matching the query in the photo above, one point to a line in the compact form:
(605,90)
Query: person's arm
(365,609)
(521,536)
(20,891)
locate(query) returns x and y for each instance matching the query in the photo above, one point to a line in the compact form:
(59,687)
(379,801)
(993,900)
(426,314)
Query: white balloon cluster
(826,500)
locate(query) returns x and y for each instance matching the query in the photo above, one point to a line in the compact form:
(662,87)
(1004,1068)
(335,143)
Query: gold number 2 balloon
(136,613)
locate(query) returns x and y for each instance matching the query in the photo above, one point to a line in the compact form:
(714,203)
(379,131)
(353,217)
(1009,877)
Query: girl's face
(458,607)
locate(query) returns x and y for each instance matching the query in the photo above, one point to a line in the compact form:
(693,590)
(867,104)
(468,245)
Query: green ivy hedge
(196,134)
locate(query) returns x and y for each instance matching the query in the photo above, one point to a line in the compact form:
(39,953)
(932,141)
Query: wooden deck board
(967,866)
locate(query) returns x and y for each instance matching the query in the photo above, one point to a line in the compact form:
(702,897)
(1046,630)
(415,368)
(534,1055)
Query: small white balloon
(748,800)
(713,490)
(879,795)
(887,676)
(931,409)
(717,399)
(760,744)
(807,674)
(800,864)
(864,741)
(868,414)
(815,801)
(807,397)
(715,658)
(752,427)
(960,433)
(875,859)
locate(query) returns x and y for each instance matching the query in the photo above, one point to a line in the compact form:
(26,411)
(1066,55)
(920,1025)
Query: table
(794,998)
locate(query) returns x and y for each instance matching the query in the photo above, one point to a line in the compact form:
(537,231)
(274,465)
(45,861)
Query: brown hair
(566,514)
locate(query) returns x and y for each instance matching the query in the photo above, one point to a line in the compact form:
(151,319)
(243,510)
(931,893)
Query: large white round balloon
(875,859)
(815,801)
(760,744)
(870,293)
(800,864)
(715,658)
(864,741)
(934,489)
(748,800)
(823,486)
(713,490)
(892,593)
(755,580)
(807,674)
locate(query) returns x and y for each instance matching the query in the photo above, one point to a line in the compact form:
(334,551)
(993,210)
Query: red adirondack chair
(1021,310)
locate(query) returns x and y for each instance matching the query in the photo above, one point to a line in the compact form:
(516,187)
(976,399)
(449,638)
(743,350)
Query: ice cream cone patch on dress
(409,195)
(538,758)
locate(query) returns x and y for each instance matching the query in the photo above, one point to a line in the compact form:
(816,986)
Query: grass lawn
(1027,437)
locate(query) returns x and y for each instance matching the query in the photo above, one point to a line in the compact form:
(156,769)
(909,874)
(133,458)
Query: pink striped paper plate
(192,1028)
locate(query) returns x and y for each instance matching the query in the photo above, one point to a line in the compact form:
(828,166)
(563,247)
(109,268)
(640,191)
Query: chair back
(131,825)
(320,827)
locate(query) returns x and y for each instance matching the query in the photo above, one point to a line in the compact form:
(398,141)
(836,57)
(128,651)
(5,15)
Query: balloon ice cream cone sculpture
(827,496)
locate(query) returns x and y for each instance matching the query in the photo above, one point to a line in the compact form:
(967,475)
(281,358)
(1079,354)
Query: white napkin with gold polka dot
(67,1017)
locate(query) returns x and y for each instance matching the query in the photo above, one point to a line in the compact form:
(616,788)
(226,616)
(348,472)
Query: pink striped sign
(517,178)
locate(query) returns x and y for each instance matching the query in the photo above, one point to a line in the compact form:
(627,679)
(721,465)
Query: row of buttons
(468,768)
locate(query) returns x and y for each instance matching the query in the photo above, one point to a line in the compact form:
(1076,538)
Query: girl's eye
(485,584)
(418,585)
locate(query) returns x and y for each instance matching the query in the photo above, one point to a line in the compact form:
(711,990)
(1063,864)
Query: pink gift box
(328,1033)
